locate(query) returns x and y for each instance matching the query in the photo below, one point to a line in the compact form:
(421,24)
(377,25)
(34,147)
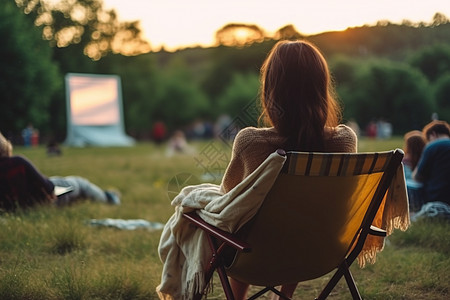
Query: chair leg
(343,270)
(265,290)
(331,284)
(351,283)
(280,294)
(260,293)
(225,283)
(216,264)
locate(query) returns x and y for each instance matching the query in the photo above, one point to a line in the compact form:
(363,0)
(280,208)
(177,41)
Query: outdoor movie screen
(94,100)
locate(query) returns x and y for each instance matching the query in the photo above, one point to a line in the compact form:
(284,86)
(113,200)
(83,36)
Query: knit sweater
(253,145)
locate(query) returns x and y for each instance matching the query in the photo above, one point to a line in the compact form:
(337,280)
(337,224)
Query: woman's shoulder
(344,131)
(254,137)
(253,134)
(250,133)
(257,130)
(342,139)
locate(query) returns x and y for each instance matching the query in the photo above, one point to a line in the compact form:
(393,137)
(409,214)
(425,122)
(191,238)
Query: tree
(288,32)
(344,71)
(432,61)
(141,87)
(439,19)
(442,96)
(29,76)
(239,95)
(79,32)
(394,92)
(228,61)
(180,101)
(87,23)
(239,35)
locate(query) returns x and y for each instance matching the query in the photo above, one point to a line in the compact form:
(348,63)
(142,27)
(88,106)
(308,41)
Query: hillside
(391,41)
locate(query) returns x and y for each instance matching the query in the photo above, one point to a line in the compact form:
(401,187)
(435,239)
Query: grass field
(52,253)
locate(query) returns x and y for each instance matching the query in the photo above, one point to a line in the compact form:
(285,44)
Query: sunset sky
(183,23)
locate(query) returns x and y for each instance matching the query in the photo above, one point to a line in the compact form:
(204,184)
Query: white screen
(94,100)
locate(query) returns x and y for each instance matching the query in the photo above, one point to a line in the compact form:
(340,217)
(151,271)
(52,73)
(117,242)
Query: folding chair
(315,219)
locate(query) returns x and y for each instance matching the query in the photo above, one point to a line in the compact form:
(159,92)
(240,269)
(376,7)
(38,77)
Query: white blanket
(184,249)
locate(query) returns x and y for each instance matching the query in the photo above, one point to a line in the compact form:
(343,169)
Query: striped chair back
(336,164)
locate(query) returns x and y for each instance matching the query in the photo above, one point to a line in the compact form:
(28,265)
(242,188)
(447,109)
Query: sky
(178,24)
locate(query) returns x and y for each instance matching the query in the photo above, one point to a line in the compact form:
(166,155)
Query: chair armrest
(222,235)
(377,231)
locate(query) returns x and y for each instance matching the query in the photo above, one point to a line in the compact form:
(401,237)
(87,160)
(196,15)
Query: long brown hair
(414,144)
(297,95)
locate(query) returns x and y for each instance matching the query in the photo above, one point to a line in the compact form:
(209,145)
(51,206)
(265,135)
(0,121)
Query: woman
(414,145)
(301,113)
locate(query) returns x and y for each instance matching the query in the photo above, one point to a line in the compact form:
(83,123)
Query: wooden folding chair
(315,219)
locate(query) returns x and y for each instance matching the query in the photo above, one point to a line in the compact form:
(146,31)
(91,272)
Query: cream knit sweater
(253,145)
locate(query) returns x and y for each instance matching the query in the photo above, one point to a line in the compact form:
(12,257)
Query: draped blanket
(392,214)
(184,249)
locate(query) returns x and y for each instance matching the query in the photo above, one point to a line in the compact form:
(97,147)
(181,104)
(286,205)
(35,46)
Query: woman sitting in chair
(301,113)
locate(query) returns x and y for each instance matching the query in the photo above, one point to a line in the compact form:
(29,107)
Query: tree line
(395,72)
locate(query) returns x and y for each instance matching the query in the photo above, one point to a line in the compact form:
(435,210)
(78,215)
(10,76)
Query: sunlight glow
(179,23)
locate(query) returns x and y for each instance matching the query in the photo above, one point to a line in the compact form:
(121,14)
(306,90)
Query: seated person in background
(433,169)
(22,185)
(53,148)
(178,144)
(414,145)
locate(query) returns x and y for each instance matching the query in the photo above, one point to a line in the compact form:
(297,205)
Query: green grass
(51,253)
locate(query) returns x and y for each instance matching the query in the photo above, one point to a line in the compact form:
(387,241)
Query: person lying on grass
(23,186)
